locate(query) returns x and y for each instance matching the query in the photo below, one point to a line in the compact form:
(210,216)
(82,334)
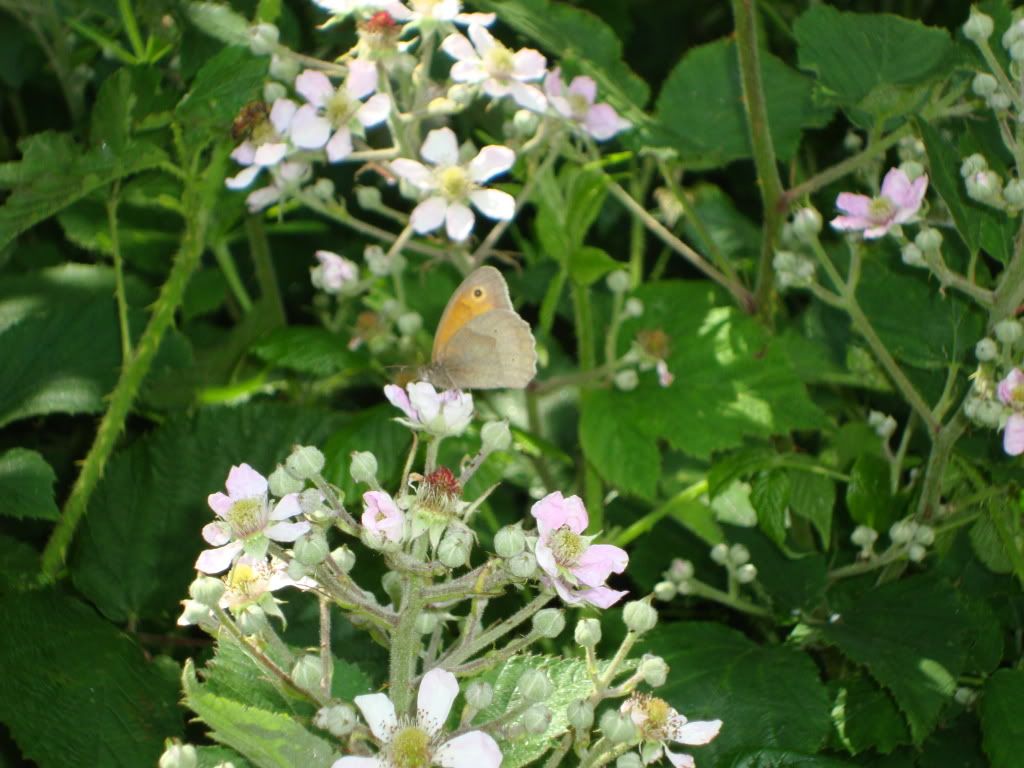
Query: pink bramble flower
(334,273)
(419,741)
(899,202)
(442,414)
(330,115)
(252,582)
(247,521)
(658,723)
(1011,393)
(286,179)
(576,568)
(343,8)
(423,12)
(576,104)
(266,146)
(499,71)
(382,516)
(451,187)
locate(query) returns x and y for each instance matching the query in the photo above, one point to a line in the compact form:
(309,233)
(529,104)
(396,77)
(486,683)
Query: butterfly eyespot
(478,293)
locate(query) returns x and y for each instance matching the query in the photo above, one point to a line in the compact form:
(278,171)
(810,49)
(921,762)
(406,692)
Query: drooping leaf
(769,697)
(1001,722)
(700,108)
(152,501)
(78,692)
(813,496)
(869,494)
(770,497)
(626,456)
(866,717)
(308,349)
(26,486)
(784,758)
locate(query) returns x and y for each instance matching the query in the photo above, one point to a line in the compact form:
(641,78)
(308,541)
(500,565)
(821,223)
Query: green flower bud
(619,281)
(1017,51)
(627,380)
(252,620)
(633,307)
(588,632)
(549,622)
(912,256)
(989,413)
(409,323)
(524,123)
(852,142)
(617,728)
(523,565)
(344,557)
(536,719)
(263,38)
(739,554)
(461,94)
(207,591)
(863,536)
(392,583)
(629,760)
(479,694)
(324,189)
(580,715)
(535,686)
(338,720)
(377,260)
(178,755)
(515,731)
(807,224)
(965,697)
(273,91)
(363,467)
(193,613)
(984,84)
(883,424)
(369,199)
(509,541)
(282,482)
(1014,193)
(973,164)
(999,101)
(1009,331)
(654,670)
(311,548)
(665,591)
(297,570)
(901,532)
(426,622)
(1012,34)
(307,672)
(283,68)
(978,26)
(305,462)
(912,168)
(442,105)
(720,554)
(924,535)
(746,573)
(929,240)
(495,436)
(916,553)
(680,570)
(639,616)
(452,553)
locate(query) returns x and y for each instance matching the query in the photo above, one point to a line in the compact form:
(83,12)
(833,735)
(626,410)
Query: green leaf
(769,697)
(309,349)
(19,565)
(26,486)
(212,757)
(151,501)
(54,175)
(813,497)
(986,541)
(733,506)
(866,717)
(224,85)
(625,456)
(793,583)
(735,235)
(571,682)
(588,264)
(371,429)
(910,636)
(60,325)
(770,497)
(267,739)
(869,493)
(78,692)
(700,111)
(783,758)
(581,41)
(112,113)
(1001,721)
(871,63)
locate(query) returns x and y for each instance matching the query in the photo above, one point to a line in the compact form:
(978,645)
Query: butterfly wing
(485,290)
(494,350)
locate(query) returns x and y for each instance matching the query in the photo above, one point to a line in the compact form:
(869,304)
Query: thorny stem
(326,660)
(497,631)
(405,645)
(744,14)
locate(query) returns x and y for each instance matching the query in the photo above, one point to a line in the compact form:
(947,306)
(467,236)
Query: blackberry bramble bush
(464,402)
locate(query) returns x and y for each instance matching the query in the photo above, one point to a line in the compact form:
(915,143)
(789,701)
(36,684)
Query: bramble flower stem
(266,276)
(119,290)
(555,758)
(405,647)
(496,631)
(326,659)
(997,69)
(222,253)
(497,657)
(605,679)
(700,589)
(892,555)
(769,181)
(198,196)
(433,446)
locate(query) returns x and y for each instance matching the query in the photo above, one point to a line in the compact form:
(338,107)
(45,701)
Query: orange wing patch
(476,301)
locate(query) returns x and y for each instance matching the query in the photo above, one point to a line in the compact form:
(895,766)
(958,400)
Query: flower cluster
(996,399)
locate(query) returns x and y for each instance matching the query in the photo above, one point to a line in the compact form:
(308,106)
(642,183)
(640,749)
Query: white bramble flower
(425,11)
(266,147)
(286,179)
(575,102)
(659,723)
(499,71)
(450,186)
(330,114)
(419,741)
(444,414)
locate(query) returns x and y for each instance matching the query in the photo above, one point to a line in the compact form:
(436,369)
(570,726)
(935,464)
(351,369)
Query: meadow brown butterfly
(481,342)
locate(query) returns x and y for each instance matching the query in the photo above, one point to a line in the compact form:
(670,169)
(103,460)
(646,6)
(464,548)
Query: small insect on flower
(248,119)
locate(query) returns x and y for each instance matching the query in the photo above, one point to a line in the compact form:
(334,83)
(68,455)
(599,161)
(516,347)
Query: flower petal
(696,732)
(287,507)
(459,48)
(261,198)
(529,64)
(602,122)
(584,86)
(482,39)
(459,221)
(379,714)
(896,186)
(849,223)
(425,401)
(220,503)
(465,19)
(600,597)
(494,204)
(413,171)
(375,111)
(554,86)
(362,78)
(244,153)
(472,71)
(441,147)
(437,693)
(219,559)
(244,482)
(340,145)
(554,511)
(490,161)
(398,398)
(309,130)
(286,531)
(1013,437)
(679,759)
(1005,389)
(428,215)
(528,96)
(270,154)
(281,114)
(352,761)
(315,87)
(244,177)
(470,750)
(598,562)
(217,534)
(854,205)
